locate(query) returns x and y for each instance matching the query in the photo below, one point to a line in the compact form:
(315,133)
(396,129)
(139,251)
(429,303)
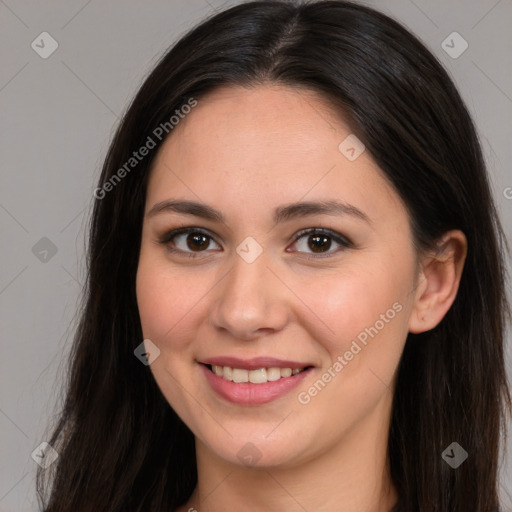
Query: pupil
(319,242)
(200,241)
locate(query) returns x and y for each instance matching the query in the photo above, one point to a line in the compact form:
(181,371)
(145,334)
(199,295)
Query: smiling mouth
(257,376)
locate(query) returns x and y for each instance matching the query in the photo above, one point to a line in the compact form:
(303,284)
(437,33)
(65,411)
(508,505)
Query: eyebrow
(281,213)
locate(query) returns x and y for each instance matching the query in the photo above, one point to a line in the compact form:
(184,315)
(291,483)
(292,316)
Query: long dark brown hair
(122,447)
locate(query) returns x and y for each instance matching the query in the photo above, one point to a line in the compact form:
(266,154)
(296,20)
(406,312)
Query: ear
(438,281)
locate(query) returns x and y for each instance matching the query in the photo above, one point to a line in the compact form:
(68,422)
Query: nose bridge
(249,299)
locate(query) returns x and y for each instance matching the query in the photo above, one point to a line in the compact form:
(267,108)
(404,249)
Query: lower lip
(246,393)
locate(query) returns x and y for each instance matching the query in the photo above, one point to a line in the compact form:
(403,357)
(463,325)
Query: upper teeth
(258,376)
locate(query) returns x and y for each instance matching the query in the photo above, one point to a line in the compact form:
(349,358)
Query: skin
(245,152)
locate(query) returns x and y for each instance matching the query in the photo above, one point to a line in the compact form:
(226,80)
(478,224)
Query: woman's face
(245,293)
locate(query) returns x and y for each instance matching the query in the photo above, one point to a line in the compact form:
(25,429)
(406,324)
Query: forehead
(262,145)
(266,121)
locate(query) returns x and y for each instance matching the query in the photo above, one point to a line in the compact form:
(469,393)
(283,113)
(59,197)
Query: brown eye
(187,241)
(319,241)
(197,241)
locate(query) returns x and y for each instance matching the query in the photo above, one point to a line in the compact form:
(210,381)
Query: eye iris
(199,241)
(319,243)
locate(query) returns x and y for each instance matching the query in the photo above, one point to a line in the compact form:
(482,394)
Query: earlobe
(438,282)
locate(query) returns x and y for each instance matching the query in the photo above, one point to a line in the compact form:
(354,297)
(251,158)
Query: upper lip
(254,363)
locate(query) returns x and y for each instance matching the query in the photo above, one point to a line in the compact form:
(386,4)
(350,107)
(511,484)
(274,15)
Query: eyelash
(337,237)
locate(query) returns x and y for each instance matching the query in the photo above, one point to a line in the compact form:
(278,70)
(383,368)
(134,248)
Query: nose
(250,300)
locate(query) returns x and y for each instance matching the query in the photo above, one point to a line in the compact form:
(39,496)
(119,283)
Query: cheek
(349,301)
(157,299)
(168,300)
(164,310)
(364,317)
(368,316)
(151,301)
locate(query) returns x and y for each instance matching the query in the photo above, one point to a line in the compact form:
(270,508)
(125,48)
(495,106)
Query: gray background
(58,115)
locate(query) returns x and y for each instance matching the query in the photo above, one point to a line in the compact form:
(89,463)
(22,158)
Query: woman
(296,282)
